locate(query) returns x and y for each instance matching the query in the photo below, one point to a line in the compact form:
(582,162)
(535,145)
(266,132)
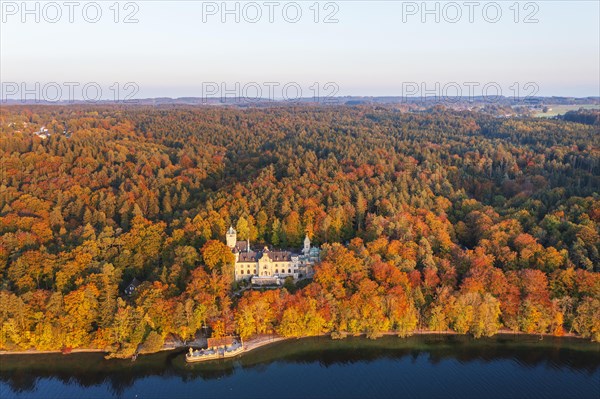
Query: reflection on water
(518,360)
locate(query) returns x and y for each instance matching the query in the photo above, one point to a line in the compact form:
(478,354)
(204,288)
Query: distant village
(43,132)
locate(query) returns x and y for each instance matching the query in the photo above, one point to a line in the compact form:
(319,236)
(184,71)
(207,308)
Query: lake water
(421,366)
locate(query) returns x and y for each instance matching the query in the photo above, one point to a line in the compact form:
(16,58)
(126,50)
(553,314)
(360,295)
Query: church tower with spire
(306,249)
(231,237)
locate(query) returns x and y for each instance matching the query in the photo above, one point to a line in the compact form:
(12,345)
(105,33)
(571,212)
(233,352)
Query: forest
(439,220)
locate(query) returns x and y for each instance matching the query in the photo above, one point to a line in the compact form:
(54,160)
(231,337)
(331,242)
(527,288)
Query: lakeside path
(265,340)
(262,340)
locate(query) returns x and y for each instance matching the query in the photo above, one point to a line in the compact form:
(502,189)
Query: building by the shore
(270,266)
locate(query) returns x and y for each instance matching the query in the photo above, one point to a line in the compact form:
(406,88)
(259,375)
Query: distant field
(563,109)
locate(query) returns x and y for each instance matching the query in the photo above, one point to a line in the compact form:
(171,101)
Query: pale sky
(375,48)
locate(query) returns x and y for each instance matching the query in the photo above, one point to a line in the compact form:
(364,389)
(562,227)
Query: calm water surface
(422,366)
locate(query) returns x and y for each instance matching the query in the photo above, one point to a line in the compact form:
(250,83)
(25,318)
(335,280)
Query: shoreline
(51,352)
(265,340)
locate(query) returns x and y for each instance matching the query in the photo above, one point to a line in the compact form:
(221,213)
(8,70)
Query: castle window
(289,270)
(276,270)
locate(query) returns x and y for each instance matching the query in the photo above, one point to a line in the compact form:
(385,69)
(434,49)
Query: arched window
(276,271)
(290,271)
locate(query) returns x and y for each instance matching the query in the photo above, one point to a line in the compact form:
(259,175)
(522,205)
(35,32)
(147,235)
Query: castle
(270,267)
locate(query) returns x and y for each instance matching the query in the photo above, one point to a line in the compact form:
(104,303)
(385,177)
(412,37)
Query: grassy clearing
(554,110)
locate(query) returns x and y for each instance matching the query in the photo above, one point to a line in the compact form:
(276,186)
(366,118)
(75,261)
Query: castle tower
(231,237)
(306,248)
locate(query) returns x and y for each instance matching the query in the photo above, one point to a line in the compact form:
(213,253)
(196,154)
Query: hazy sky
(183,48)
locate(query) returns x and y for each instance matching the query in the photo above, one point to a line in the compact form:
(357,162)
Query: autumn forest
(437,220)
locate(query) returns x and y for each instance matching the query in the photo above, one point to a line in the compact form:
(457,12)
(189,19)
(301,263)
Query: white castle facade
(270,267)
